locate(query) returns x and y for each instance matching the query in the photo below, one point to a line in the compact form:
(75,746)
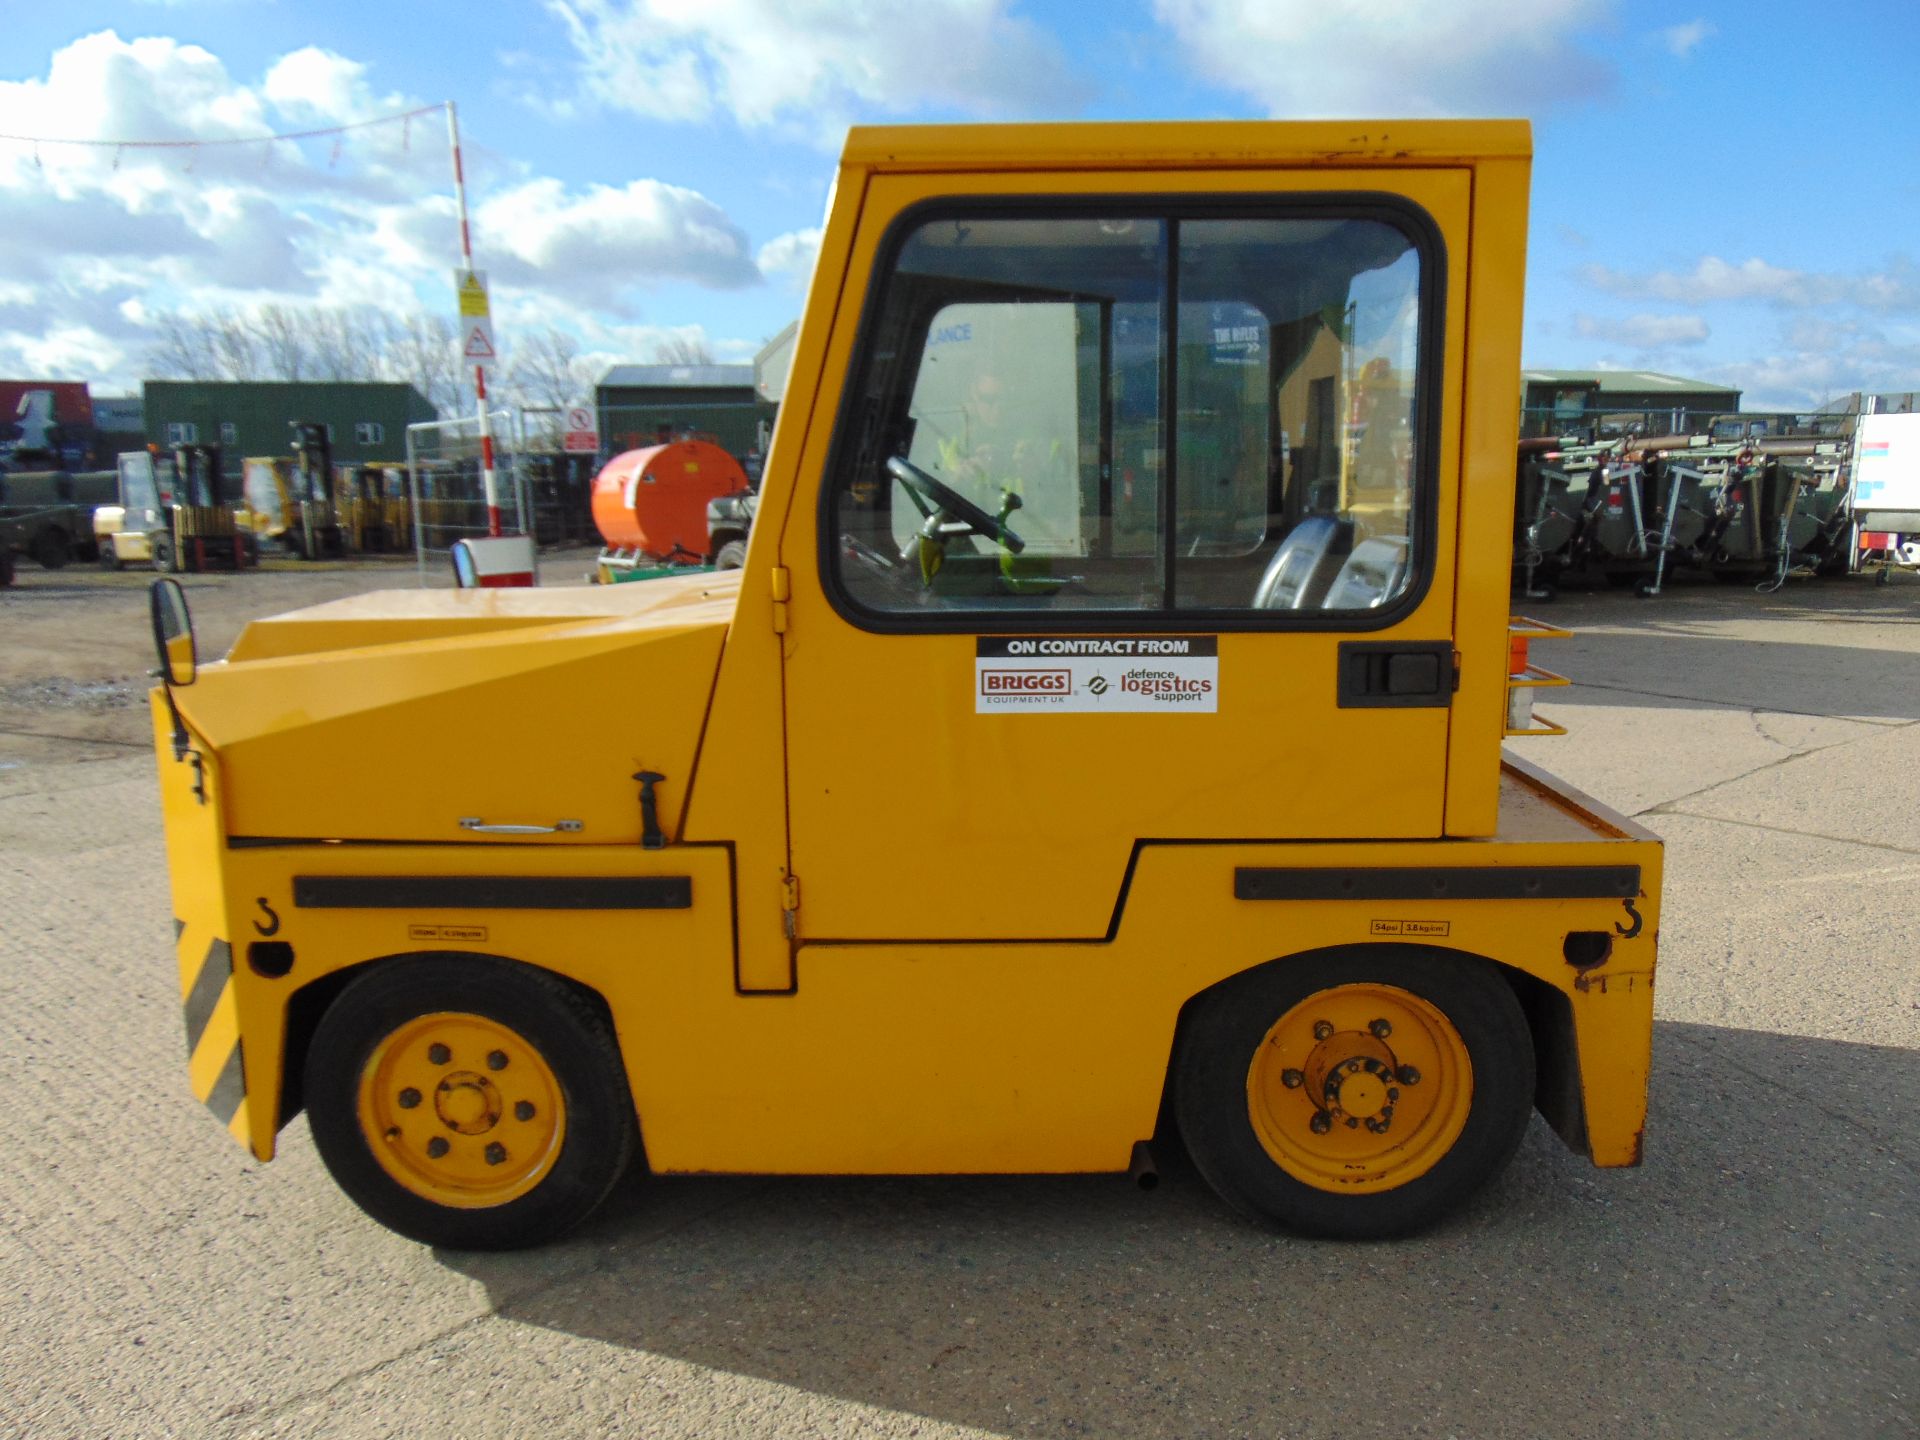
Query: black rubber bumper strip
(1453,882)
(492,892)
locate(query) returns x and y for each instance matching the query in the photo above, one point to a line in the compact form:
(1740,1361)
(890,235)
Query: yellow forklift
(289,500)
(373,507)
(1061,768)
(175,514)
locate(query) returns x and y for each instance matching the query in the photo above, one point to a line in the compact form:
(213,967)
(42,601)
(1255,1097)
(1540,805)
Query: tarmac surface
(1759,1275)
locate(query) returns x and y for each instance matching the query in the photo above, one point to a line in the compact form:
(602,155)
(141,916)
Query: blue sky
(1729,191)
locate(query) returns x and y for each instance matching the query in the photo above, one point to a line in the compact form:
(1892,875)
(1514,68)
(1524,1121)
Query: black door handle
(1395,674)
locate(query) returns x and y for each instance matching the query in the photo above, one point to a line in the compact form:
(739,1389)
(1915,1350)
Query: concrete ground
(1756,1277)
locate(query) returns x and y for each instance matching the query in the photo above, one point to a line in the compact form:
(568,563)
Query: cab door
(1135,523)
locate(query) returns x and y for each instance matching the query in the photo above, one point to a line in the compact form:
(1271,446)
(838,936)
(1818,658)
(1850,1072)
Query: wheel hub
(496,1120)
(1359,1087)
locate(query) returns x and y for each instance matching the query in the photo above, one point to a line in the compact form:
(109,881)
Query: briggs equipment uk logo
(1026,682)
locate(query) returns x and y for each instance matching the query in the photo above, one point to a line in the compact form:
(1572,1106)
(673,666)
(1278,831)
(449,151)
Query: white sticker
(1096,674)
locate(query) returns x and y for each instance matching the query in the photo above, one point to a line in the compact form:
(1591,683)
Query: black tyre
(164,558)
(52,548)
(6,565)
(1357,1094)
(731,556)
(108,558)
(469,1102)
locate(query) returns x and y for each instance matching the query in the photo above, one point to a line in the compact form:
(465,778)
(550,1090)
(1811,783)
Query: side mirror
(466,574)
(173,632)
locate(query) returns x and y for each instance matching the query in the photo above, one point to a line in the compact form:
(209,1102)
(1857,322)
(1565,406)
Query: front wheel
(469,1102)
(1357,1094)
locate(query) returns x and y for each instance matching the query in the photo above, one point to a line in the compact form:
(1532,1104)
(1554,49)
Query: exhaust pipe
(1142,1171)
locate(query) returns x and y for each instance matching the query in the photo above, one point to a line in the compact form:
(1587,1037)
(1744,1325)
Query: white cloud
(791,257)
(1643,332)
(811,65)
(1896,287)
(100,242)
(1392,57)
(603,240)
(1682,40)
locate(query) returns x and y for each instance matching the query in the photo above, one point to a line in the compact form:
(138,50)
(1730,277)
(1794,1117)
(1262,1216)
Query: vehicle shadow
(1758,1267)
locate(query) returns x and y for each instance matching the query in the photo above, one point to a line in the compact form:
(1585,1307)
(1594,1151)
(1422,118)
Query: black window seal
(1400,211)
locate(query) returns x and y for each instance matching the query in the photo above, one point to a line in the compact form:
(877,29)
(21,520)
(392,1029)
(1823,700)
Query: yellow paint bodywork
(921,940)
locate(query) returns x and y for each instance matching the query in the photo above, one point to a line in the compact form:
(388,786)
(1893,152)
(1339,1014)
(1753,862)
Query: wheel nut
(1292,1079)
(1352,1123)
(439,1054)
(1380,1028)
(1408,1075)
(409,1098)
(497,1060)
(1321,1029)
(496,1152)
(437,1147)
(523,1109)
(1393,1093)
(1321,1122)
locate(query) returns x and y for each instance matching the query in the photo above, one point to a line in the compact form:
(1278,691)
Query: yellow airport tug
(1109,713)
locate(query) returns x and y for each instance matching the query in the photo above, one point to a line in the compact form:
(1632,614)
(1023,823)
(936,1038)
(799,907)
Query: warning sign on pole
(476,318)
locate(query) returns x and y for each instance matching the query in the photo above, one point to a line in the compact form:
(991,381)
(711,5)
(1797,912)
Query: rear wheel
(164,559)
(1358,1094)
(469,1102)
(109,558)
(731,556)
(52,548)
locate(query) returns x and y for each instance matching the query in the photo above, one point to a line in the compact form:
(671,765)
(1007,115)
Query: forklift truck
(174,514)
(1074,759)
(290,499)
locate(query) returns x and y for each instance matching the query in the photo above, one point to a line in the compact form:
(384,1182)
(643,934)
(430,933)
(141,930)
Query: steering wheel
(946,500)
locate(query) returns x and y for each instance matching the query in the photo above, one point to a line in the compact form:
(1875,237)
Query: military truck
(1069,766)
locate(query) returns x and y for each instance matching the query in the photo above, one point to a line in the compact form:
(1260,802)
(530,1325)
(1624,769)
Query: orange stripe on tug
(655,500)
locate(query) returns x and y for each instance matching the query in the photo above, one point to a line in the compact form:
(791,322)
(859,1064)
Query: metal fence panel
(449,494)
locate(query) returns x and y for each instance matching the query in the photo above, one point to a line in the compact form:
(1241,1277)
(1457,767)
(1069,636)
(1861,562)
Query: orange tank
(655,500)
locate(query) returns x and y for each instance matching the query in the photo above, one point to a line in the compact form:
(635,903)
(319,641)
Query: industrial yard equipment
(175,514)
(289,500)
(48,514)
(968,829)
(651,507)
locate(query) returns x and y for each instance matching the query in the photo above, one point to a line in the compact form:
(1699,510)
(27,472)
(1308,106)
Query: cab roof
(1129,144)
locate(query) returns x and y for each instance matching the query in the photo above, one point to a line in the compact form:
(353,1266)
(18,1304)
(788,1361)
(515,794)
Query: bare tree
(683,349)
(546,370)
(282,332)
(423,350)
(182,350)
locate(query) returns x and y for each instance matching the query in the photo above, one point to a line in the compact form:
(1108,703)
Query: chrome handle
(480,827)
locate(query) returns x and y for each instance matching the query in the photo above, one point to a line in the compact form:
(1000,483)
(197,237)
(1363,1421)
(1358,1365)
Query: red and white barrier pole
(488,478)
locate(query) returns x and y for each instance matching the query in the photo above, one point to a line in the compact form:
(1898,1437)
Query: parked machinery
(48,514)
(289,500)
(174,514)
(651,507)
(1628,510)
(372,508)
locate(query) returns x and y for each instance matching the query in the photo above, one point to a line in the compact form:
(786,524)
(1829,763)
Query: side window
(1193,415)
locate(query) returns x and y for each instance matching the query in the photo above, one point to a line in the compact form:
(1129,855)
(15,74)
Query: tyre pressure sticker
(1110,674)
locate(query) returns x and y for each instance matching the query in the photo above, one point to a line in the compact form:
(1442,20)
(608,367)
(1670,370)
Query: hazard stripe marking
(230,1089)
(214,971)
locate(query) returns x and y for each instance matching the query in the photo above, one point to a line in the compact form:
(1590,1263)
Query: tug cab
(1104,728)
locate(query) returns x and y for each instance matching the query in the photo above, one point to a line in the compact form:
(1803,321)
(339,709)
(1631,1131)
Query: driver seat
(1303,568)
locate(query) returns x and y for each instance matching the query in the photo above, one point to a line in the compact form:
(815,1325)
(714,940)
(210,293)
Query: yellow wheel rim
(1360,1088)
(461,1110)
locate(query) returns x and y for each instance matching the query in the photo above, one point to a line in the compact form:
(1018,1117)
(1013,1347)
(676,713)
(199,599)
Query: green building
(367,419)
(640,405)
(1562,402)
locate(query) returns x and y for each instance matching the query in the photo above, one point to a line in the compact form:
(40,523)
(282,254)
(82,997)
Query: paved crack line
(255,1419)
(1785,830)
(1666,806)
